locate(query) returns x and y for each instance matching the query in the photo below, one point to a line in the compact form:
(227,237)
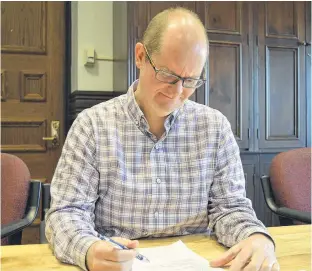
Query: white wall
(92,27)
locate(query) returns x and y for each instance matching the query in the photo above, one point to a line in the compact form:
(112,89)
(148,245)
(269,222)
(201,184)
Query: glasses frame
(178,78)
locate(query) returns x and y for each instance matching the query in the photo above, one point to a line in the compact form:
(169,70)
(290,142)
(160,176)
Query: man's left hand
(256,253)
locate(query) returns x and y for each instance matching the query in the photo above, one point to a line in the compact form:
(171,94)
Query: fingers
(270,264)
(101,265)
(126,242)
(256,261)
(107,251)
(226,257)
(103,255)
(241,259)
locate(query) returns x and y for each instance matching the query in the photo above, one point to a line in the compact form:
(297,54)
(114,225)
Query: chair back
(15,180)
(290,175)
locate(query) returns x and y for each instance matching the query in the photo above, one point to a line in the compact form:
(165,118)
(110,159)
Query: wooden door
(227,24)
(281,71)
(32,85)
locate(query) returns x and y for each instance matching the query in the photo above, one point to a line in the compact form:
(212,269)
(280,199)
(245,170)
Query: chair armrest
(30,212)
(46,200)
(281,211)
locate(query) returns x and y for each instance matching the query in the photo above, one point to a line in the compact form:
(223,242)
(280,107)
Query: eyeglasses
(169,78)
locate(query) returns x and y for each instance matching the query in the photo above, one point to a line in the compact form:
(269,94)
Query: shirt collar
(137,115)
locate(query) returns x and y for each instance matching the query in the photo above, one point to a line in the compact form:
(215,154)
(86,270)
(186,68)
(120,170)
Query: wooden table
(293,248)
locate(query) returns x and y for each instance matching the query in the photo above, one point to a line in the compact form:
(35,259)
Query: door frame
(67,70)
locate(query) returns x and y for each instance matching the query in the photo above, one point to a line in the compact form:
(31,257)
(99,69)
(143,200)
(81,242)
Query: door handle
(54,138)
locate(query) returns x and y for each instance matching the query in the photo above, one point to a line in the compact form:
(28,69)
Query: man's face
(184,60)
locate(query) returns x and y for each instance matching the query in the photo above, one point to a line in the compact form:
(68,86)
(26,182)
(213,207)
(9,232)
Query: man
(151,163)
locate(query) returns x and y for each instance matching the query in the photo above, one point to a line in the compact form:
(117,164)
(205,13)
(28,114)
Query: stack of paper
(175,257)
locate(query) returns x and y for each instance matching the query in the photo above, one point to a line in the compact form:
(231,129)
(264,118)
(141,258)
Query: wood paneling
(223,17)
(282,75)
(33,86)
(3,85)
(228,76)
(225,84)
(23,27)
(281,61)
(249,173)
(23,135)
(33,57)
(156,7)
(281,19)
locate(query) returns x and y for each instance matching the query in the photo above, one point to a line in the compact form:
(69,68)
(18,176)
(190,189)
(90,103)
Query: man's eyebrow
(164,68)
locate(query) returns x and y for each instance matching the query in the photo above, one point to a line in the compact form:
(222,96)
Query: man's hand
(256,253)
(103,256)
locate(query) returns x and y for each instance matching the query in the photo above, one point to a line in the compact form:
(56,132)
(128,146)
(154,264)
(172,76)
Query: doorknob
(303,43)
(54,138)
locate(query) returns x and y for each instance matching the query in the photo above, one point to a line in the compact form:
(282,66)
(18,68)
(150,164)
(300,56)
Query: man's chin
(164,111)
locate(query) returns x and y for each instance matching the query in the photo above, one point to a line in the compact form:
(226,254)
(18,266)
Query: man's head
(175,41)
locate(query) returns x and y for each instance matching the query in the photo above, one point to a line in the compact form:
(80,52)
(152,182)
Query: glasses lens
(192,83)
(166,77)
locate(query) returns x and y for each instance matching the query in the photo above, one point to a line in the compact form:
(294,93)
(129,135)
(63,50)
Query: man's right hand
(103,256)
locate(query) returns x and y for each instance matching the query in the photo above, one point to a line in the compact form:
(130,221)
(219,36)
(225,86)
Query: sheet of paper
(175,257)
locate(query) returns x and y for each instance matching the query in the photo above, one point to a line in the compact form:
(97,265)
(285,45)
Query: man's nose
(176,89)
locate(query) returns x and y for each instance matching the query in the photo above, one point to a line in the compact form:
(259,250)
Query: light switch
(90,57)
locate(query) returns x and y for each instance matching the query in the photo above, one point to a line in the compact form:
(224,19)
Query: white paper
(175,257)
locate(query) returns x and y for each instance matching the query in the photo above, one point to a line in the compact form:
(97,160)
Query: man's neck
(155,122)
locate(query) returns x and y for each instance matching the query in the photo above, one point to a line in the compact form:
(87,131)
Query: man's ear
(139,55)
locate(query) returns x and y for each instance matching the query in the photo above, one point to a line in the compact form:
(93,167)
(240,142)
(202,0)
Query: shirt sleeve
(230,213)
(74,191)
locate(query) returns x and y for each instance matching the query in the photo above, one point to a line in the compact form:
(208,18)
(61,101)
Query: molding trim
(82,99)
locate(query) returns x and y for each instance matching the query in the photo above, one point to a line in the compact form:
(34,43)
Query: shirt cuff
(253,230)
(81,249)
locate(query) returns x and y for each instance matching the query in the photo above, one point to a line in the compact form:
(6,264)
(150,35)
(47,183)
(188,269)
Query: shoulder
(104,111)
(203,113)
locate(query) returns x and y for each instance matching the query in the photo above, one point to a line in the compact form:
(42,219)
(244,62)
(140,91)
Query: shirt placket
(158,194)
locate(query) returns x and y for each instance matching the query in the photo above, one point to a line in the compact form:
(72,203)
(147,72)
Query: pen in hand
(118,245)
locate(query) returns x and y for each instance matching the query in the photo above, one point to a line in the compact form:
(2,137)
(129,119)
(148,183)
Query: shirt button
(158,181)
(137,122)
(158,146)
(156,214)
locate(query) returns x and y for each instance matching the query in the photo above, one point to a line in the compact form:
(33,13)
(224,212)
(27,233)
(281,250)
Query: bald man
(152,163)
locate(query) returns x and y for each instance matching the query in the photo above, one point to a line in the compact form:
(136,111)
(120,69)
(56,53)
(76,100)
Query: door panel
(223,17)
(229,85)
(32,92)
(281,91)
(281,20)
(24,27)
(225,84)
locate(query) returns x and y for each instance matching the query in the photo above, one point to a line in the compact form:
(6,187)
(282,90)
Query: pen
(118,245)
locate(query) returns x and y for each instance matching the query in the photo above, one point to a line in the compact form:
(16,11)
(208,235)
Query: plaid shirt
(115,178)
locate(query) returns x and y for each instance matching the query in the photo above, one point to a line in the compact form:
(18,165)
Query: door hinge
(248,133)
(257,133)
(257,40)
(247,39)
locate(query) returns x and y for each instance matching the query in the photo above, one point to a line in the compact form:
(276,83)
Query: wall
(92,27)
(309,80)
